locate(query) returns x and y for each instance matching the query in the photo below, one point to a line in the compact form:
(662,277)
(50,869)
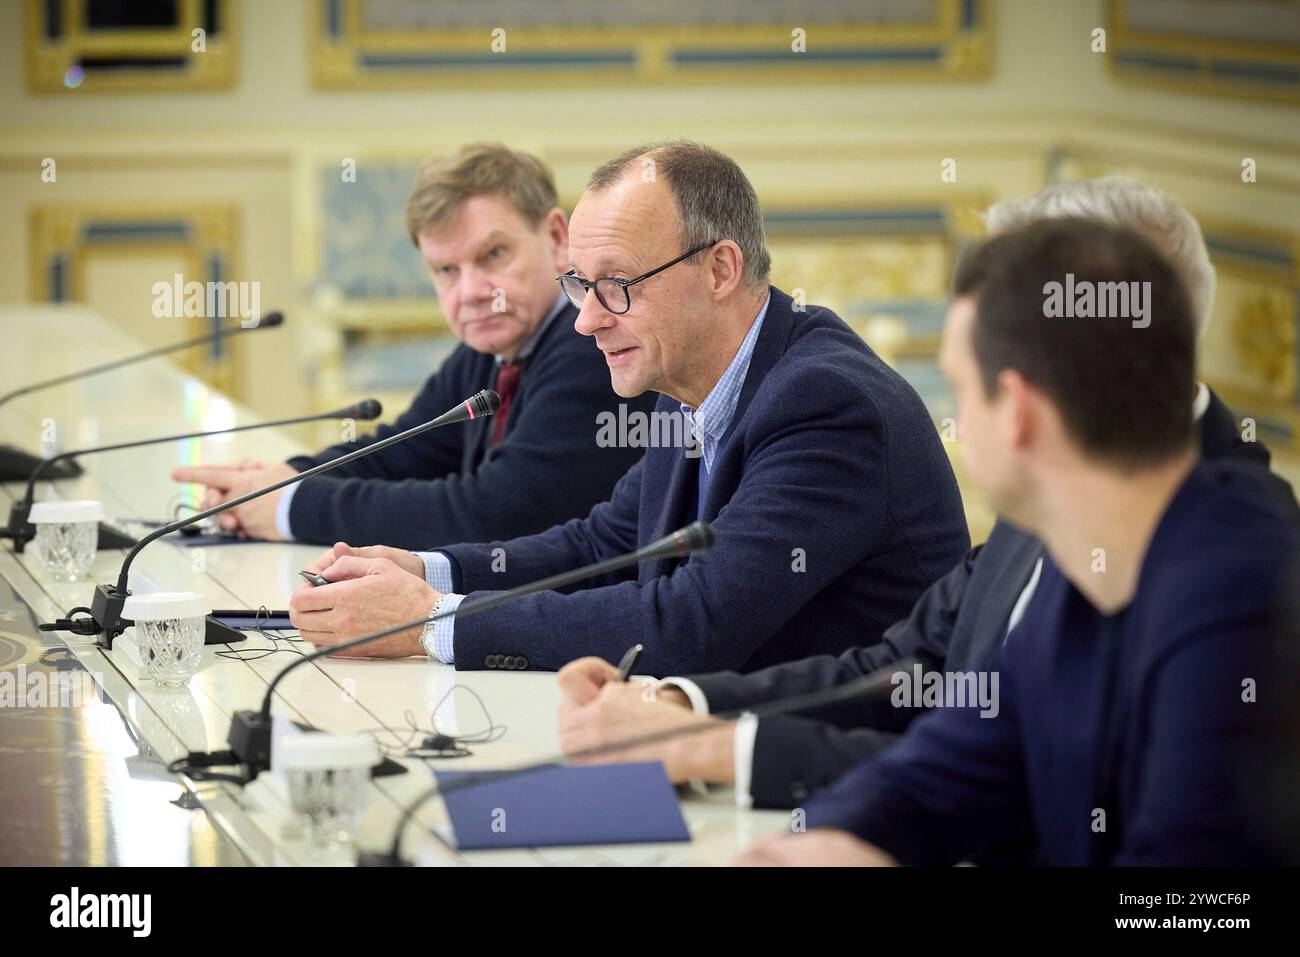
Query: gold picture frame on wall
(66,238)
(355,44)
(884,264)
(1257,302)
(72,46)
(1249,48)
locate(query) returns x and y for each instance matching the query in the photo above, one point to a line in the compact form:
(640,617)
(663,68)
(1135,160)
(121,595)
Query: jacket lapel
(673,513)
(773,340)
(778,325)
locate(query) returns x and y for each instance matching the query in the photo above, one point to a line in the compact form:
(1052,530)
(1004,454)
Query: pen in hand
(629,662)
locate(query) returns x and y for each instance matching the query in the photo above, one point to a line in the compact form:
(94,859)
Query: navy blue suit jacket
(1143,715)
(833,505)
(957,622)
(447,485)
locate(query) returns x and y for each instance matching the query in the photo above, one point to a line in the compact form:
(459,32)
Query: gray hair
(1125,202)
(713,197)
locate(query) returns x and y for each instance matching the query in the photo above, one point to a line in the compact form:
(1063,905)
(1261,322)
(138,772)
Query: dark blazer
(448,486)
(1147,716)
(959,620)
(833,506)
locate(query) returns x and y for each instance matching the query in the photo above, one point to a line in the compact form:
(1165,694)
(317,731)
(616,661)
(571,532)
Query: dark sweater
(446,485)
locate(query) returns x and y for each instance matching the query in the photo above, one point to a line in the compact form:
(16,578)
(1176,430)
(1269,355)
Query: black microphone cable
(436,744)
(195,765)
(274,637)
(250,731)
(77,626)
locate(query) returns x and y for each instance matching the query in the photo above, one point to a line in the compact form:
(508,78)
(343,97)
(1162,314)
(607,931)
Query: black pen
(315,579)
(629,662)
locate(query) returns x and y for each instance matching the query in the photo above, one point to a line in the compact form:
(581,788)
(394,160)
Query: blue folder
(563,806)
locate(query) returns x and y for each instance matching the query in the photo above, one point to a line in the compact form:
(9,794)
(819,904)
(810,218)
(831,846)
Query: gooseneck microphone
(22,531)
(250,731)
(106,607)
(16,465)
(872,685)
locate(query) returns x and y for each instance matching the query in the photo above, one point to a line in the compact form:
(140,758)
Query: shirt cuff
(282,512)
(746,736)
(699,703)
(444,629)
(437,571)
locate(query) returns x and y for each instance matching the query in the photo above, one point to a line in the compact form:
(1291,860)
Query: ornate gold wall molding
(65,53)
(66,238)
(1175,47)
(355,45)
(1263,319)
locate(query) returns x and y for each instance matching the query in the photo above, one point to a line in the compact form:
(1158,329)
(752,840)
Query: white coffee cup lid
(313,751)
(162,605)
(65,513)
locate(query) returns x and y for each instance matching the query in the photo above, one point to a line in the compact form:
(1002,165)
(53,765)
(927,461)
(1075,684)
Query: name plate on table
(563,806)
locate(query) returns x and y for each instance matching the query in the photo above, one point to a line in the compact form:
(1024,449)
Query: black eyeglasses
(612,293)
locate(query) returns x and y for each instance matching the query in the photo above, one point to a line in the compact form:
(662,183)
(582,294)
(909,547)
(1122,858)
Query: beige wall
(261,146)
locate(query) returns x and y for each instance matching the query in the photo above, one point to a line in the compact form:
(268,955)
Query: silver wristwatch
(426,635)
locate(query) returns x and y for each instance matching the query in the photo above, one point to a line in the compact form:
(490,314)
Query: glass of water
(67,534)
(169,629)
(328,775)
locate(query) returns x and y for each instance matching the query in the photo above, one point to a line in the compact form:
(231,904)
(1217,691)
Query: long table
(380,697)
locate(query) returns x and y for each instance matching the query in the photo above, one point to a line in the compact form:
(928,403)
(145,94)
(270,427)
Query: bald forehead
(630,223)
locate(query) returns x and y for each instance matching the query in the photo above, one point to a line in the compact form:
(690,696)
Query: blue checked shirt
(708,423)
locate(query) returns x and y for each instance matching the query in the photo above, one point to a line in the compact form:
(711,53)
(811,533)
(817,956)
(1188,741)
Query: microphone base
(22,531)
(250,739)
(16,465)
(19,529)
(106,608)
(250,742)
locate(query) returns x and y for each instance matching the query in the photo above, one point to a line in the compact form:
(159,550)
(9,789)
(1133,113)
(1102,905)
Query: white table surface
(341,696)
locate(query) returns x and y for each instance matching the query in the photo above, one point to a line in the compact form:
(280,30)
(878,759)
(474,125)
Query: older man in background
(486,222)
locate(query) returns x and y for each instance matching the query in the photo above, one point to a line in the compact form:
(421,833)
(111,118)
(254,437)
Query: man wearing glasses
(486,221)
(831,498)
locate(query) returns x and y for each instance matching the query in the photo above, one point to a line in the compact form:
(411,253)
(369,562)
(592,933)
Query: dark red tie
(508,376)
